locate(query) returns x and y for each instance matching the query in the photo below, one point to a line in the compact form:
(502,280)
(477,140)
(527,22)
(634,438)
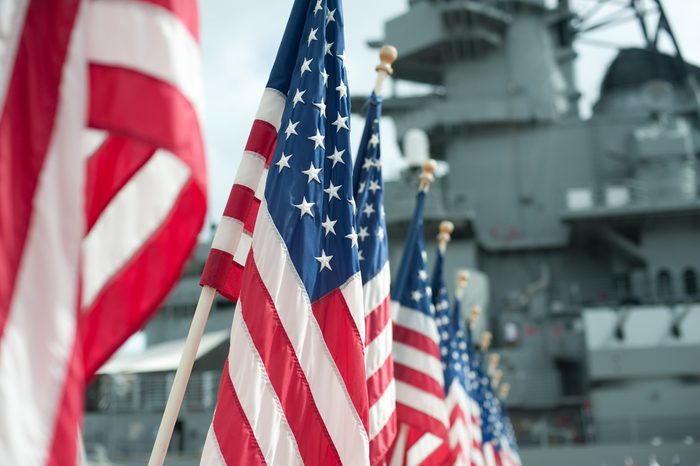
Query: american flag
(509,442)
(376,280)
(475,399)
(489,418)
(455,360)
(420,396)
(102,196)
(293,390)
(506,451)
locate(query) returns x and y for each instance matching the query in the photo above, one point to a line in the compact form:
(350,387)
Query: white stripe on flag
(377,289)
(211,453)
(149,39)
(382,409)
(249,171)
(228,229)
(414,320)
(418,360)
(39,335)
(271,107)
(352,293)
(130,219)
(378,351)
(422,401)
(294,309)
(424,447)
(258,398)
(399,452)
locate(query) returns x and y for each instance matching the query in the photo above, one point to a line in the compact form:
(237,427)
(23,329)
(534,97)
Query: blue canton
(309,186)
(369,195)
(411,287)
(441,301)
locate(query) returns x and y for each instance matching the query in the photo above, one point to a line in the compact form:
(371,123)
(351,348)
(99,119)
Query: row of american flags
(102,195)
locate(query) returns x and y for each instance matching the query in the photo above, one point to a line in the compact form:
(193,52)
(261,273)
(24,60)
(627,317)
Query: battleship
(580,235)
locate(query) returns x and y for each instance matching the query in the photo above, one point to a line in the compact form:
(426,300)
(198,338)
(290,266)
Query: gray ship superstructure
(586,229)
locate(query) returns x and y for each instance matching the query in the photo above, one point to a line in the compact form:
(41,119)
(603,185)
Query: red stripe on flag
(262,140)
(377,320)
(457,413)
(64,444)
(346,348)
(229,283)
(381,444)
(185,10)
(240,203)
(419,419)
(131,104)
(439,456)
(26,128)
(145,281)
(236,439)
(252,217)
(285,372)
(380,380)
(416,340)
(109,169)
(216,268)
(418,379)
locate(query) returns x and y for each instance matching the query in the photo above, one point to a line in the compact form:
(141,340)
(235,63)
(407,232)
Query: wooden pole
(445,235)
(387,56)
(182,376)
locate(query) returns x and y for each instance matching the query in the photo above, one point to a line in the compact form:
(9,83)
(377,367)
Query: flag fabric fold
(420,389)
(103,194)
(376,275)
(455,361)
(475,399)
(294,388)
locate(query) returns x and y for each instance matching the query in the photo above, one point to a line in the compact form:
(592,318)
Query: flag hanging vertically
(456,365)
(474,383)
(95,224)
(420,396)
(293,389)
(376,278)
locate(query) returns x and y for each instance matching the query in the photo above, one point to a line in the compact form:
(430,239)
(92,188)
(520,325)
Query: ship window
(664,285)
(690,282)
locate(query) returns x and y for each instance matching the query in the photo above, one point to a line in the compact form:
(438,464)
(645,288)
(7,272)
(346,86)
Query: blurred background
(568,139)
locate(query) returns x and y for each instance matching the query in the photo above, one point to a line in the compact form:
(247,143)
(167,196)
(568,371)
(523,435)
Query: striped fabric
(96,223)
(234,235)
(293,389)
(455,363)
(477,450)
(146,176)
(420,395)
(376,277)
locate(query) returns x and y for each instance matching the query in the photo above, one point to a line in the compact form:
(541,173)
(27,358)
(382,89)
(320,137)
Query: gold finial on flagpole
(494,361)
(427,175)
(474,315)
(504,391)
(445,234)
(485,342)
(496,378)
(387,56)
(462,281)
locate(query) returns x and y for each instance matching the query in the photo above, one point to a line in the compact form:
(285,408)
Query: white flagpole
(182,376)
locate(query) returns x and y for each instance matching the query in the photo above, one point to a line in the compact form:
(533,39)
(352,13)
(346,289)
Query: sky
(239,46)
